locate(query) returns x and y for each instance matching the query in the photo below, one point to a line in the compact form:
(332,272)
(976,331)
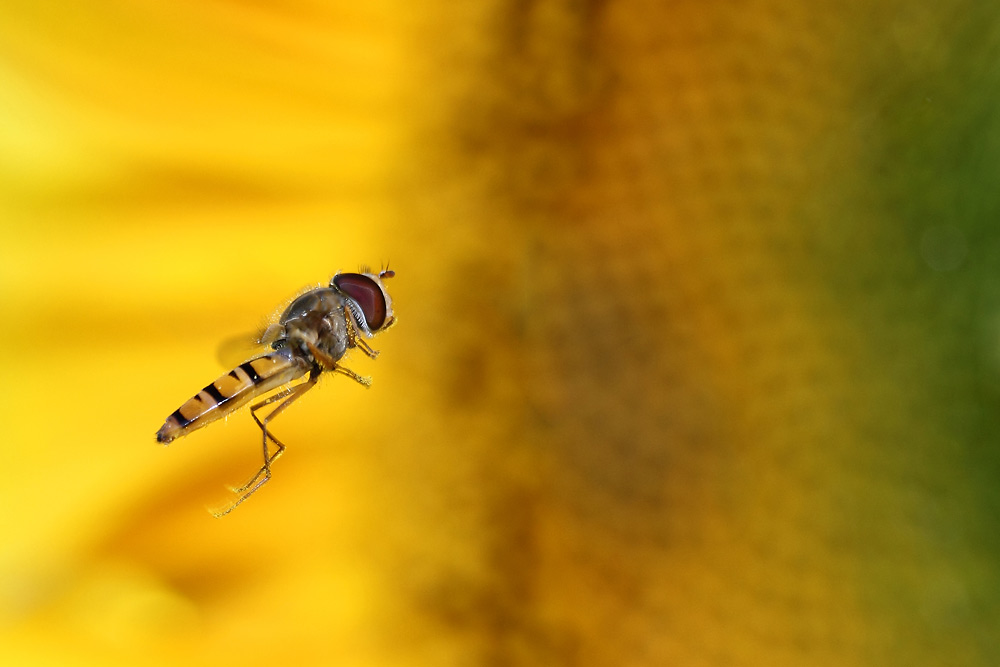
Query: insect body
(311,336)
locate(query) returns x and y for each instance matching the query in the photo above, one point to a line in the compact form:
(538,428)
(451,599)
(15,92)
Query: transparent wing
(236,349)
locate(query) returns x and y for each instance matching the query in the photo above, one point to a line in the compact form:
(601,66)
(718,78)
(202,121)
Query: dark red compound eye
(367,294)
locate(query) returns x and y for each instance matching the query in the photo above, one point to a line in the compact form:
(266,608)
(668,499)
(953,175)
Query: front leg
(354,339)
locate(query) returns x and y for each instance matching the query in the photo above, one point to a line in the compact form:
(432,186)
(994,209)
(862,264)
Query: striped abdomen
(231,391)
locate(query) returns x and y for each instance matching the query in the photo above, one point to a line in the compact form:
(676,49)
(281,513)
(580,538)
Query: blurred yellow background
(698,355)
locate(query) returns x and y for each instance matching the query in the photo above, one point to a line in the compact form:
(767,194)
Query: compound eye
(367,294)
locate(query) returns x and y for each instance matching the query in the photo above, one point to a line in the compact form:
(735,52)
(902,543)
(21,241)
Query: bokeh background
(698,355)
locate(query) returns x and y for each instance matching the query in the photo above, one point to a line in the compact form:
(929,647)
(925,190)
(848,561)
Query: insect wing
(236,349)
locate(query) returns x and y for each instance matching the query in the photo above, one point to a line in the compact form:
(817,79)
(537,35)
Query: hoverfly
(310,337)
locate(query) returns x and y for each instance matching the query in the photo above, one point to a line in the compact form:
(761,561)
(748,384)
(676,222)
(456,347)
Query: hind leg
(287,397)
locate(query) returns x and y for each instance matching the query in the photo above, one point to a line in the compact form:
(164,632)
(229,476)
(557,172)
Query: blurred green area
(698,350)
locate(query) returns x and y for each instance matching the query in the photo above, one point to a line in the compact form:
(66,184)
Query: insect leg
(330,364)
(289,395)
(360,342)
(366,381)
(267,456)
(357,341)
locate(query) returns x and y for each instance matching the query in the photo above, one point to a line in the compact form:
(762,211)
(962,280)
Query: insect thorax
(316,317)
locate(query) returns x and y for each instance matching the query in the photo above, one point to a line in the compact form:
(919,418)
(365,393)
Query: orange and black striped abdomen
(230,392)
